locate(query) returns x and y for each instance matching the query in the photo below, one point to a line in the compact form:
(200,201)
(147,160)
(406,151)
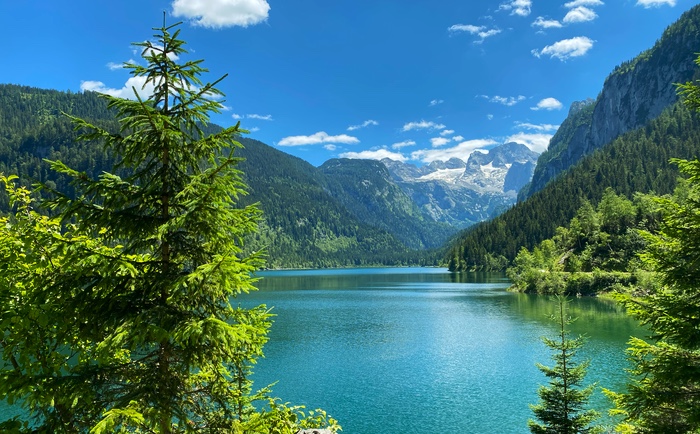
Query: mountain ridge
(634,93)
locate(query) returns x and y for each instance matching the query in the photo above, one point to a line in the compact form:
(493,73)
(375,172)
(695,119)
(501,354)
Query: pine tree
(561,409)
(119,315)
(663,392)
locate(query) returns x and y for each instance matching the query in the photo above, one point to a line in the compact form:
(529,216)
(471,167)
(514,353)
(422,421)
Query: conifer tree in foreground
(116,315)
(663,394)
(561,409)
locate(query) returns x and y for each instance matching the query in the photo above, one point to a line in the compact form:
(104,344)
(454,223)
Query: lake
(422,350)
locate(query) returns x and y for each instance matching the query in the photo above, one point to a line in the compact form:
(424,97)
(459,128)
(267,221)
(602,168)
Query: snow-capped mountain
(462,193)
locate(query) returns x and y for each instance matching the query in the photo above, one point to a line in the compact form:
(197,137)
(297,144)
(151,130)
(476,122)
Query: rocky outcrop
(634,93)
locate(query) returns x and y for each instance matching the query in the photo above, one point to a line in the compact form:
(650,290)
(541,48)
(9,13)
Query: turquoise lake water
(422,350)
(414,350)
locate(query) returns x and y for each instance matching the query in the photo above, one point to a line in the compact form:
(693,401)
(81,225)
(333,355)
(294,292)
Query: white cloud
(458,138)
(259,117)
(125,92)
(254,129)
(403,144)
(329,147)
(461,151)
(422,125)
(363,125)
(439,141)
(580,14)
(480,31)
(436,102)
(655,3)
(548,104)
(446,132)
(465,28)
(577,3)
(489,116)
(546,24)
(504,100)
(114,66)
(537,127)
(517,7)
(222,13)
(317,139)
(251,116)
(566,48)
(378,154)
(536,142)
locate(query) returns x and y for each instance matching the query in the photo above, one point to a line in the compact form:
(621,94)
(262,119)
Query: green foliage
(635,162)
(662,395)
(596,253)
(117,314)
(561,409)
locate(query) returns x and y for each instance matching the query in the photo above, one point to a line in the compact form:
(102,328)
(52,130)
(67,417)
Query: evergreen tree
(663,393)
(561,409)
(117,314)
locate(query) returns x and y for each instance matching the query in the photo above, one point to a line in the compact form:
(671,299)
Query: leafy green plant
(117,314)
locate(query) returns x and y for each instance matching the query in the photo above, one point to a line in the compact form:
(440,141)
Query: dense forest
(597,251)
(621,140)
(635,162)
(308,220)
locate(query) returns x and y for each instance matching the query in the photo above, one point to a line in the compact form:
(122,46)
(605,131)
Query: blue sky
(412,80)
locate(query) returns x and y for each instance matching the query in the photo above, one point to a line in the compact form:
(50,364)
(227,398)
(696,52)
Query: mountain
(305,225)
(367,190)
(575,168)
(633,94)
(306,221)
(463,193)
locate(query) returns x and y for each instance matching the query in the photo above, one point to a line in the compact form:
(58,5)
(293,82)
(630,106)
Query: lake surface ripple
(422,350)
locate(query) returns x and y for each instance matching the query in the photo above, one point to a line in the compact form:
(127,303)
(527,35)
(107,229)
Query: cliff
(633,94)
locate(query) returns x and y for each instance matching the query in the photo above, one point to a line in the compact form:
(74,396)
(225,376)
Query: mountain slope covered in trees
(634,93)
(635,162)
(307,219)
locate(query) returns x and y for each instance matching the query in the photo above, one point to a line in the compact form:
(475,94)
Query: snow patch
(447,175)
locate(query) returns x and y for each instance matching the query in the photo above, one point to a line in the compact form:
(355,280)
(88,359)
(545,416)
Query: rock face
(462,193)
(634,93)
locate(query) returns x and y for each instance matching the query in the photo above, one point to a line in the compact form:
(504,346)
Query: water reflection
(423,350)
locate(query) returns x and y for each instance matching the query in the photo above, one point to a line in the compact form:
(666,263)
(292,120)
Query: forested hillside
(32,128)
(635,162)
(634,93)
(366,189)
(304,225)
